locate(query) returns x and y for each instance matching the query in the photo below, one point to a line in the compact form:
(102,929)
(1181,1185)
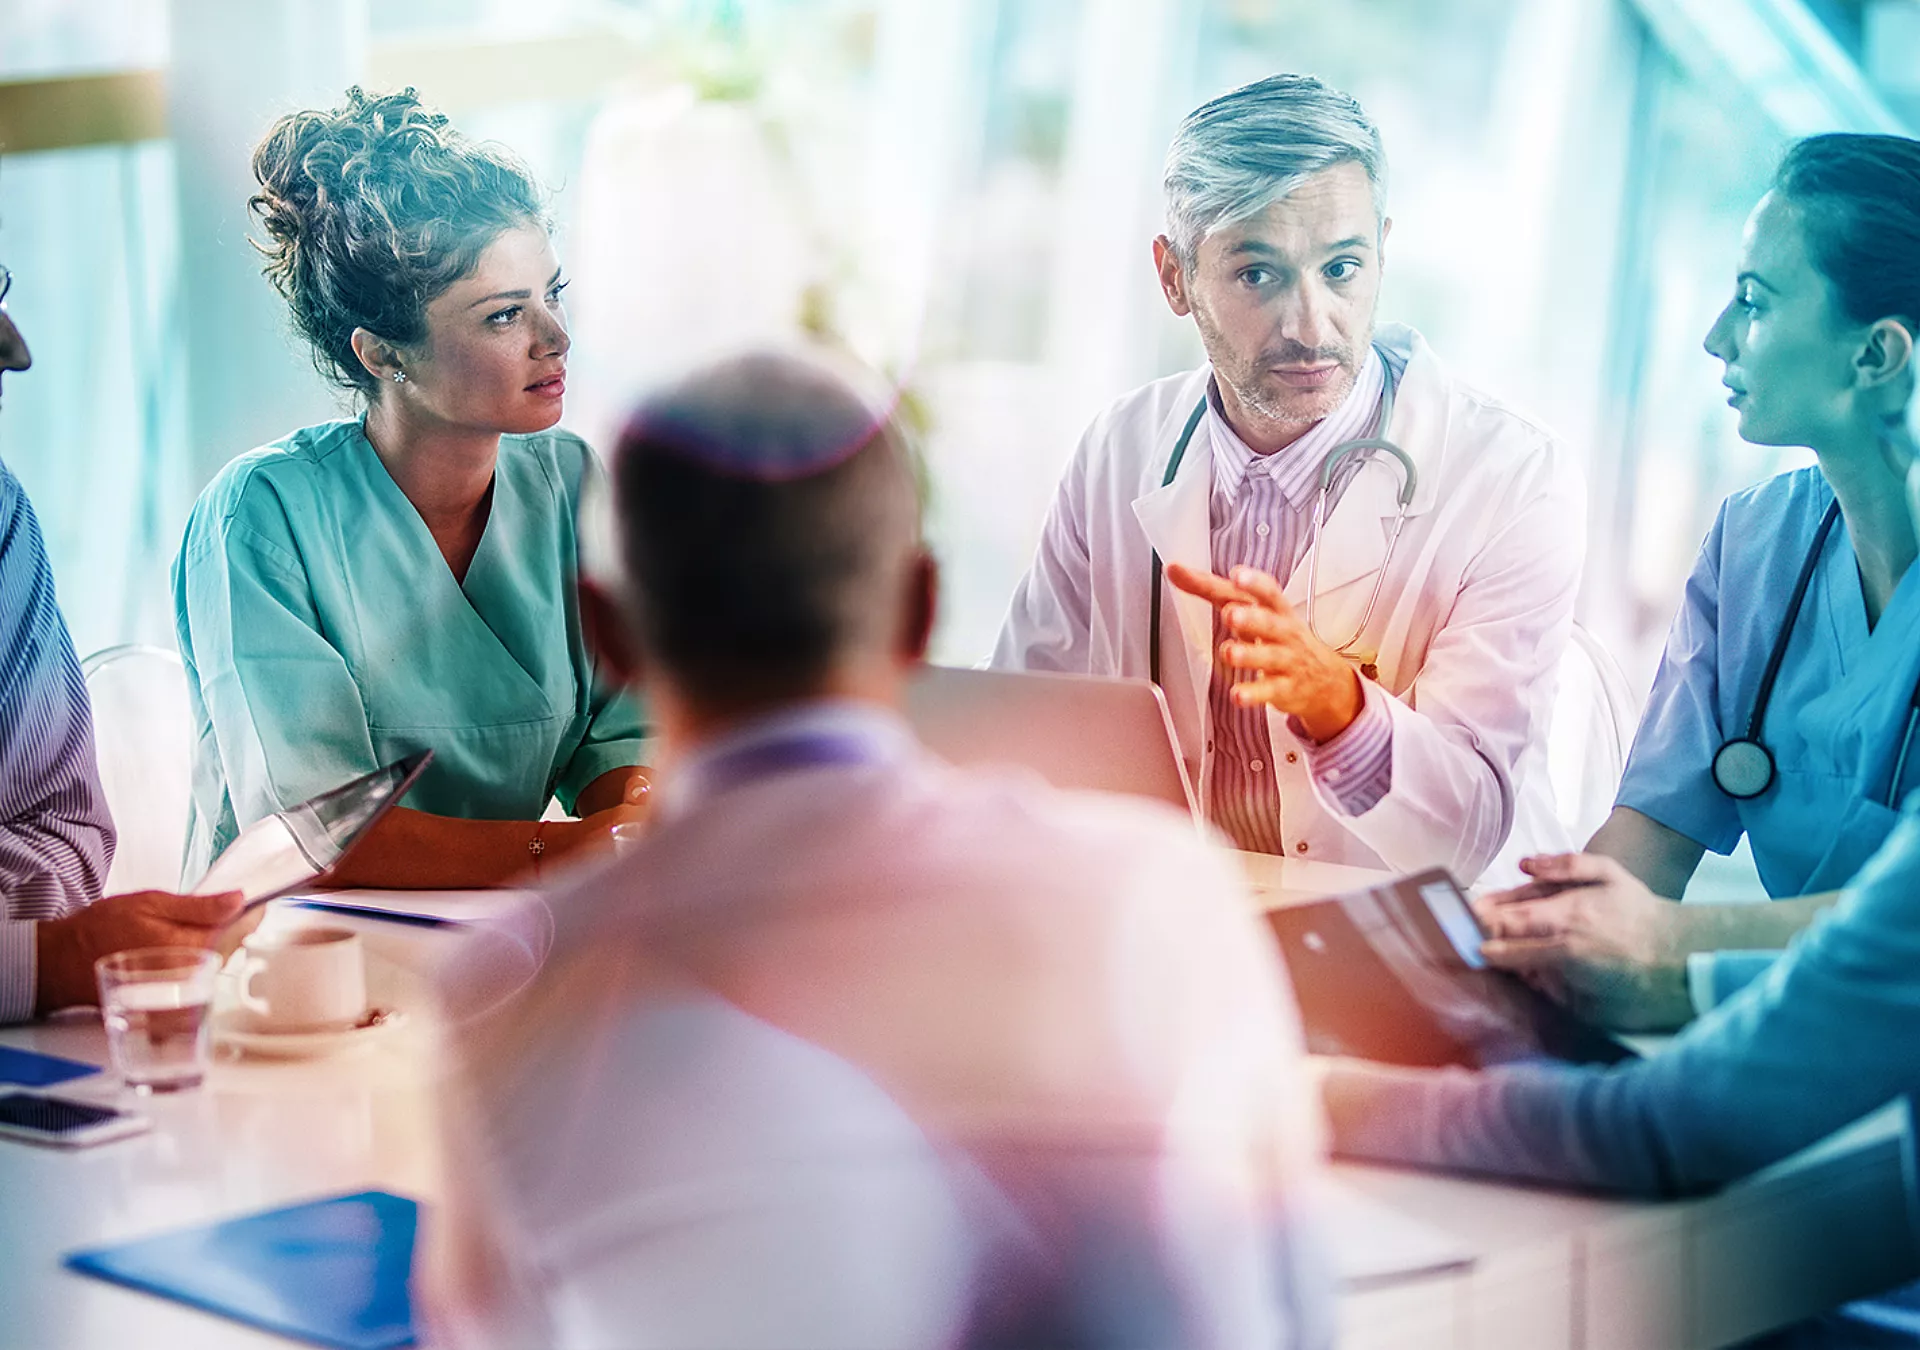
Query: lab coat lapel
(1175,519)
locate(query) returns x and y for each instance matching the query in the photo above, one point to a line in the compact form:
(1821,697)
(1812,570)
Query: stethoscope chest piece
(1743,768)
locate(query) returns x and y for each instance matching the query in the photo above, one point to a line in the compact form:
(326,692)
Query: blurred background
(964,191)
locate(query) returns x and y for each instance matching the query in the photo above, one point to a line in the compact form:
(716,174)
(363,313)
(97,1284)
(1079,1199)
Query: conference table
(1424,1260)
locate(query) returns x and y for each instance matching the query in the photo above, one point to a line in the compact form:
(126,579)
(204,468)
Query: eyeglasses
(6,283)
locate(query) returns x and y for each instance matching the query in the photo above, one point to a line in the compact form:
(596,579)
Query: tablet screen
(290,848)
(1394,973)
(1449,910)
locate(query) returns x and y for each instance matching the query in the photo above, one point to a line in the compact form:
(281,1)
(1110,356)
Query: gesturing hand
(1300,674)
(1589,933)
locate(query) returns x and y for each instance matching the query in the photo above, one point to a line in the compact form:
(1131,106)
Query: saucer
(378,1024)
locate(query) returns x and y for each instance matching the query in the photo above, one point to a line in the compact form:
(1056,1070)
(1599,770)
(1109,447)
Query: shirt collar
(856,731)
(1296,469)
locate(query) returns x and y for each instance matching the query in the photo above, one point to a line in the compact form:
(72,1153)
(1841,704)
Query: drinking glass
(155,1001)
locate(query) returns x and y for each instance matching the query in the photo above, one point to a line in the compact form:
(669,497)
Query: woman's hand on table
(1587,932)
(618,797)
(570,838)
(616,787)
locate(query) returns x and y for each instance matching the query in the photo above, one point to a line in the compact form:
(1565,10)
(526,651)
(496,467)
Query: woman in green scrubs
(406,580)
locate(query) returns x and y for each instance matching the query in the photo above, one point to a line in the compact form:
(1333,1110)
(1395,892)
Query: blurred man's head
(766,542)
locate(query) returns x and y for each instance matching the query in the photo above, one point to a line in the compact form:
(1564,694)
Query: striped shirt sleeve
(1355,767)
(56,838)
(17,973)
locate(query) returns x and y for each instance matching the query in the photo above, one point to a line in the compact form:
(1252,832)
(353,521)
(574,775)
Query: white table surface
(1545,1269)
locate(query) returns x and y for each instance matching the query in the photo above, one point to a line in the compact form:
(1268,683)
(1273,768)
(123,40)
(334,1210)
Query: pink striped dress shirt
(1261,509)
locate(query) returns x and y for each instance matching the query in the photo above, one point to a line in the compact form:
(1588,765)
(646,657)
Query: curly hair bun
(371,210)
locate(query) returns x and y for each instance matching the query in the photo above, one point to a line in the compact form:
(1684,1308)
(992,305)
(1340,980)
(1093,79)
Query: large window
(962,190)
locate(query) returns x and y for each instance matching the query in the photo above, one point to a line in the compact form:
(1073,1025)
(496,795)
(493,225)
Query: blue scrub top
(1839,705)
(324,635)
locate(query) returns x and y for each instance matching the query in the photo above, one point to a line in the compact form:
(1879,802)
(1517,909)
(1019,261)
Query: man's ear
(1173,279)
(609,637)
(921,607)
(380,357)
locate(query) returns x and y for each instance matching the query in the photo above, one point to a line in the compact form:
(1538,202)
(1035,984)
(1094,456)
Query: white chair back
(1594,716)
(143,733)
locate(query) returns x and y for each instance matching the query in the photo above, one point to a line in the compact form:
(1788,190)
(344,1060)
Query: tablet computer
(1394,973)
(289,849)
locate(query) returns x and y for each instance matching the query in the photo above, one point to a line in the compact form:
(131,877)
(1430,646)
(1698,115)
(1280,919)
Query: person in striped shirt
(56,838)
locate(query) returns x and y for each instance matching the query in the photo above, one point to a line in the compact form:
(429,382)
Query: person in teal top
(370,587)
(1826,273)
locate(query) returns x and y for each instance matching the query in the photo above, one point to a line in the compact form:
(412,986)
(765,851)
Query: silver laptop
(1075,731)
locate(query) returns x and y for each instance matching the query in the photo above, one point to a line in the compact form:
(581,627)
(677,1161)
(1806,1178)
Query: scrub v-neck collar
(398,500)
(1844,598)
(487,594)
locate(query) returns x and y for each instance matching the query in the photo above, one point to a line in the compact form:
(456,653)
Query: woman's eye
(500,318)
(1748,299)
(553,293)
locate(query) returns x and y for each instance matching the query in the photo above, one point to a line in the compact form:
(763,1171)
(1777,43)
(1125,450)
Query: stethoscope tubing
(1763,696)
(1329,465)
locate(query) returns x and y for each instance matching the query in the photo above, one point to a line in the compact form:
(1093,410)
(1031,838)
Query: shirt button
(1256,765)
(1262,530)
(1292,758)
(1300,847)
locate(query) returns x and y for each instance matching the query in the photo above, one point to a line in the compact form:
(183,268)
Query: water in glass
(156,1013)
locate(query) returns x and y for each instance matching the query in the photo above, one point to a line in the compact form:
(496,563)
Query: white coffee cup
(303,979)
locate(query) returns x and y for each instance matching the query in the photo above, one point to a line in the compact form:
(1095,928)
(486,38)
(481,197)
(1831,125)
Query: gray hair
(1238,154)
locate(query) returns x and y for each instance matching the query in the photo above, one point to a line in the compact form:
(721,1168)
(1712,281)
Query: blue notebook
(333,1272)
(28,1068)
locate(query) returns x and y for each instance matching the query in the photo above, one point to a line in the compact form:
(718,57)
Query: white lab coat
(1472,620)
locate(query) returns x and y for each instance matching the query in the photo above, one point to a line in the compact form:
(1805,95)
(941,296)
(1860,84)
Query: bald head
(768,527)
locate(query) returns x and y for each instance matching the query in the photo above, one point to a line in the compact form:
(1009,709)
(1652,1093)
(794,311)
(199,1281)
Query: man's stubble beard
(1253,397)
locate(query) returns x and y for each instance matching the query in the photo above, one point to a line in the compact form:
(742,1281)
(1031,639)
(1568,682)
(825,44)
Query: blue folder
(333,1272)
(29,1068)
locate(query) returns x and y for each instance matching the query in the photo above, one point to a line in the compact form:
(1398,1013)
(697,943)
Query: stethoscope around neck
(1329,466)
(1743,766)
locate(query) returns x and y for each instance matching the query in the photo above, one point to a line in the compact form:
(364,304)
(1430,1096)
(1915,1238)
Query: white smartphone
(61,1123)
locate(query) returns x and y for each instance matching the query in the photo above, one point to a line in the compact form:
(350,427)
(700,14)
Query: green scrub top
(324,635)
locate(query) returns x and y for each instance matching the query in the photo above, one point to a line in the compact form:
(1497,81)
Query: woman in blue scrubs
(1828,1036)
(1818,330)
(406,580)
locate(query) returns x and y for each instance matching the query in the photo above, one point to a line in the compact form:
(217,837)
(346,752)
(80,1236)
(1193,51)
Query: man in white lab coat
(1385,703)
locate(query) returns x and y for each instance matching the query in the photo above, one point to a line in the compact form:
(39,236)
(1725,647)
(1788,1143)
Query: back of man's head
(768,529)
